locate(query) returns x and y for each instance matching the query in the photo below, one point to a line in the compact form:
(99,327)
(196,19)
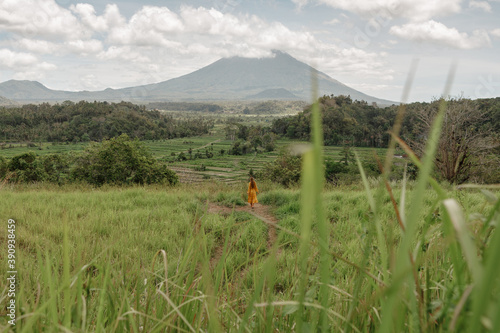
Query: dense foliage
(466,150)
(95,121)
(249,138)
(116,161)
(360,124)
(185,106)
(120,161)
(469,147)
(344,122)
(285,169)
(273,107)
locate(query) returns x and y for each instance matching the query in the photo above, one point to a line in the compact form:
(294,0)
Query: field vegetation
(95,252)
(395,249)
(97,121)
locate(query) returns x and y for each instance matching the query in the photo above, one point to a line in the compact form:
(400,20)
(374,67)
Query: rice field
(221,167)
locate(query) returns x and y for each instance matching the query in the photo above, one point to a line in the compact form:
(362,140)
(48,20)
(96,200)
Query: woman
(252,192)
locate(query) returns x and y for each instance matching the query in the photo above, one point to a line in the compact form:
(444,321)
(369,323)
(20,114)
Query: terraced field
(224,167)
(221,167)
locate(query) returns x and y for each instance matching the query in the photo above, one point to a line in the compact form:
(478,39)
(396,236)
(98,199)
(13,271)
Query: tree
(121,161)
(285,169)
(464,146)
(26,168)
(56,167)
(268,142)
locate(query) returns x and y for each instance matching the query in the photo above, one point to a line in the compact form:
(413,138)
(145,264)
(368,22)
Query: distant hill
(234,78)
(268,94)
(7,102)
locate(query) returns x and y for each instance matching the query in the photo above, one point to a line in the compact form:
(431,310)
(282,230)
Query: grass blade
(403,265)
(455,216)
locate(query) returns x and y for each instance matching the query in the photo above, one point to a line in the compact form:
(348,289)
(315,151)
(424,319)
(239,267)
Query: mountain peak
(234,78)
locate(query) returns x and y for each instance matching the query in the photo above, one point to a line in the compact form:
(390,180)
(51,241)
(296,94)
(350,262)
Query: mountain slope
(6,102)
(274,94)
(233,78)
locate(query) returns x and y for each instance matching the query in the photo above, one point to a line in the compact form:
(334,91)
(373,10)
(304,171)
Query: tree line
(93,121)
(186,106)
(360,124)
(469,147)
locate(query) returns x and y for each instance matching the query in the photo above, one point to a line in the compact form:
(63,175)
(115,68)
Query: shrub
(332,169)
(236,148)
(285,169)
(26,168)
(3,167)
(201,167)
(56,167)
(121,161)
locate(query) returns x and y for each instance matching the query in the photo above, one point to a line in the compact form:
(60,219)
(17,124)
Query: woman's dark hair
(252,183)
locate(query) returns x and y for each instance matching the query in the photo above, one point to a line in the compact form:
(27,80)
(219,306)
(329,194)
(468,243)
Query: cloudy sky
(366,44)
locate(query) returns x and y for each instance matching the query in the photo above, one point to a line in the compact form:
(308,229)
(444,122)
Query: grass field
(380,256)
(81,251)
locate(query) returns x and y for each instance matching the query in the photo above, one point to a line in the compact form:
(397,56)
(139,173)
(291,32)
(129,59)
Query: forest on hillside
(469,146)
(96,121)
(357,123)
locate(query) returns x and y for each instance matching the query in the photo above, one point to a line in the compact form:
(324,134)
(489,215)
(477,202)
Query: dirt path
(262,212)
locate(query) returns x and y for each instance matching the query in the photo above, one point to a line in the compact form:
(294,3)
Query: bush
(201,167)
(236,148)
(284,170)
(56,167)
(3,167)
(26,168)
(121,161)
(342,173)
(333,169)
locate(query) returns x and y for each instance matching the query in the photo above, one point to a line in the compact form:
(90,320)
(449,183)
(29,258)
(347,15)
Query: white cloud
(25,65)
(40,18)
(495,32)
(37,46)
(163,38)
(333,22)
(84,47)
(76,46)
(87,14)
(149,26)
(436,32)
(123,53)
(35,73)
(480,5)
(160,42)
(45,66)
(409,9)
(201,29)
(300,3)
(159,19)
(347,62)
(10,59)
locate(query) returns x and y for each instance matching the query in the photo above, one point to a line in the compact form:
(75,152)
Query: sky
(368,45)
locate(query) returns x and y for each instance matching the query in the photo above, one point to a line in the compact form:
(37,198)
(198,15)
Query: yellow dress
(252,194)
